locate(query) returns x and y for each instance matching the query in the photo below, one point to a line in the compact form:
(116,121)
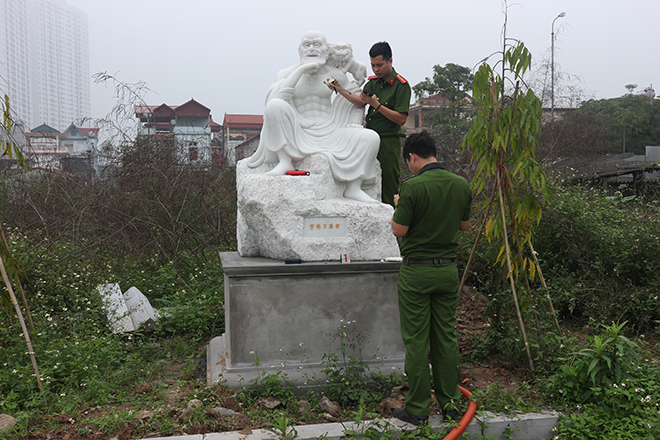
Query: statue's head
(339,54)
(313,48)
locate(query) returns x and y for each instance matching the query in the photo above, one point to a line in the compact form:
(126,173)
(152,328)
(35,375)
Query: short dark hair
(421,144)
(381,48)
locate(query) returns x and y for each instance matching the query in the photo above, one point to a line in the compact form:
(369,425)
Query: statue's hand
(310,67)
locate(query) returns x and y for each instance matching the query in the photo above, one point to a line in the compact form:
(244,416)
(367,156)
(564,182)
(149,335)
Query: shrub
(601,255)
(612,390)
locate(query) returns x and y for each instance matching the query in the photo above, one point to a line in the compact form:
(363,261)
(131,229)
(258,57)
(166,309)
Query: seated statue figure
(301,119)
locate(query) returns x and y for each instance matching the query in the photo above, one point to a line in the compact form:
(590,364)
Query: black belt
(407,260)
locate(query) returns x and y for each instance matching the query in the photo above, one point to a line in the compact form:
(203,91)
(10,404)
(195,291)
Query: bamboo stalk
(538,268)
(513,285)
(18,282)
(476,241)
(25,303)
(529,287)
(22,321)
(524,275)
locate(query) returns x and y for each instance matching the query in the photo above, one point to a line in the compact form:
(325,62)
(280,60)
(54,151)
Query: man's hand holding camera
(364,98)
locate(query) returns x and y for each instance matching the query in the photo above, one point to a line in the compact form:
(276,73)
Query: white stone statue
(341,56)
(301,118)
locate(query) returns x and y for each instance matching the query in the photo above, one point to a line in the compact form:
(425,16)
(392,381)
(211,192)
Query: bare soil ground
(471,324)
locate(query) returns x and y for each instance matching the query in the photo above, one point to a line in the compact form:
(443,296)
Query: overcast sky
(225,54)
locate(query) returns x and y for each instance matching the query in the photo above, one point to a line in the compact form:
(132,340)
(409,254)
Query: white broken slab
(128,311)
(139,307)
(115,305)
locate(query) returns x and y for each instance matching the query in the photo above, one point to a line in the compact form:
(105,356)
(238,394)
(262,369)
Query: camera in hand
(368,92)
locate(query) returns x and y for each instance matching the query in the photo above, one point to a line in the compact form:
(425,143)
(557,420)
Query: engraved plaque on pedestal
(326,227)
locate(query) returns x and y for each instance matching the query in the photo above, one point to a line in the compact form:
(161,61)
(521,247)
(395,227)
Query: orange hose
(467,417)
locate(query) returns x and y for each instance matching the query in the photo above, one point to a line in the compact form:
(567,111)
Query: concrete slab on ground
(527,426)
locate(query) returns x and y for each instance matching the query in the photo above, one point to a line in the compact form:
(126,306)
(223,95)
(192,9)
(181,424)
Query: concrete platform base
(293,317)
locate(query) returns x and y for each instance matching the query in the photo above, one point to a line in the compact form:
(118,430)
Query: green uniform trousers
(388,156)
(428,296)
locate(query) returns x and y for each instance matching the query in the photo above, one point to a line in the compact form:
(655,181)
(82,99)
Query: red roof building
(237,130)
(427,105)
(190,125)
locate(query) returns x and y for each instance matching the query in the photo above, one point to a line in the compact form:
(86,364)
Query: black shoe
(405,416)
(451,414)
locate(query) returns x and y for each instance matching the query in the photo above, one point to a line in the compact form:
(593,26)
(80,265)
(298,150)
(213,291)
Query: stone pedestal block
(307,218)
(288,316)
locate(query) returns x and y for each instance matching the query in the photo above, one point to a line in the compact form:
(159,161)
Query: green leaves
(615,391)
(503,138)
(631,119)
(283,428)
(9,145)
(452,82)
(610,361)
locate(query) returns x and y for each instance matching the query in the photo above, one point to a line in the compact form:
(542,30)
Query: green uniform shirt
(394,93)
(432,205)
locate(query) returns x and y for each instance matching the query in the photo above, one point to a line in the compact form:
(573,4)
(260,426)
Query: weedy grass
(83,364)
(610,389)
(607,382)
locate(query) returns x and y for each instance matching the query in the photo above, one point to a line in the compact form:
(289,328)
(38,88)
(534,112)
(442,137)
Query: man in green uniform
(388,95)
(431,209)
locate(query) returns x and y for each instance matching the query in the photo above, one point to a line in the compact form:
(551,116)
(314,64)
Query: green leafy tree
(451,81)
(449,124)
(628,123)
(502,140)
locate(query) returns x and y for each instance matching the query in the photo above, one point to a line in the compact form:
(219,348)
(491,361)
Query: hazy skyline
(226,54)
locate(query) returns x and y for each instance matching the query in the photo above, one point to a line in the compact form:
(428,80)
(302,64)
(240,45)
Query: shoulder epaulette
(372,77)
(402,79)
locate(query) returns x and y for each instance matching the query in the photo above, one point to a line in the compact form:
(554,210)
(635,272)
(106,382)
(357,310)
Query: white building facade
(44,61)
(189,125)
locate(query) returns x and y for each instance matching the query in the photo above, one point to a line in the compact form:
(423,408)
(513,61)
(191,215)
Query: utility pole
(552,67)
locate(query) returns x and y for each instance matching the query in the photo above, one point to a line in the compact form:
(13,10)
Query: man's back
(432,208)
(432,205)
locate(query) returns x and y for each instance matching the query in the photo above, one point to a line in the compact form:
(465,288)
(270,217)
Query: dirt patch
(472,324)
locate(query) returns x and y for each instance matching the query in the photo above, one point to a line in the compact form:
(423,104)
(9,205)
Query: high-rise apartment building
(44,61)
